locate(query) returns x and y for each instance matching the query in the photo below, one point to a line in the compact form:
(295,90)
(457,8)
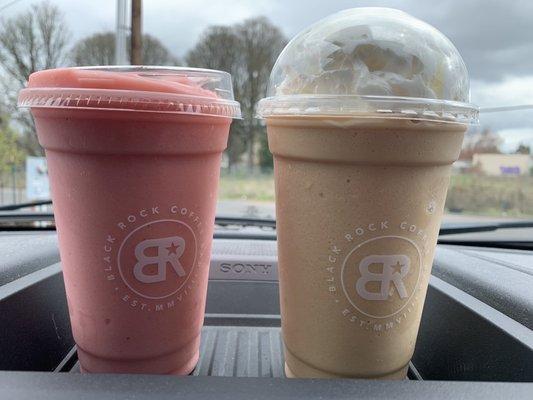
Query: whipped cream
(371,51)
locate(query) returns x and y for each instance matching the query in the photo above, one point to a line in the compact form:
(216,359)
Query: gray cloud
(493,36)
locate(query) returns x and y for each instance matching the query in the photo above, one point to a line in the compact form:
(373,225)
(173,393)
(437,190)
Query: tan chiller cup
(361,183)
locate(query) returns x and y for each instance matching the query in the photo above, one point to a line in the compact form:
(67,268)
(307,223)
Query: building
(502,164)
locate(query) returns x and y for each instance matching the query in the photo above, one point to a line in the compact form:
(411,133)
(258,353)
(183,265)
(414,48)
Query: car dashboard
(475,339)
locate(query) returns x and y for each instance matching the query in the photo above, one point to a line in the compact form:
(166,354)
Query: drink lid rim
(126,100)
(133,68)
(140,88)
(366,105)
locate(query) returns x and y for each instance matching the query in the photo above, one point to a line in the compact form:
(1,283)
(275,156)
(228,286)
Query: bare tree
(247,51)
(29,42)
(220,48)
(155,53)
(10,152)
(99,49)
(261,43)
(523,149)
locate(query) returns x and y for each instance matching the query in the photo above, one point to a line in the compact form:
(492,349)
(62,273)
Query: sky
(493,36)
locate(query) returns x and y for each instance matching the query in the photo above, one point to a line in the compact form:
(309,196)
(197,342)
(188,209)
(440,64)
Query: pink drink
(134,160)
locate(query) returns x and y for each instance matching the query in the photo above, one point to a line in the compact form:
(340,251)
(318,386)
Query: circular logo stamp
(150,256)
(380,275)
(156,259)
(373,272)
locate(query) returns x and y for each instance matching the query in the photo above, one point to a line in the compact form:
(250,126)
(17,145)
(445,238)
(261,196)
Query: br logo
(156,260)
(167,251)
(393,269)
(378,284)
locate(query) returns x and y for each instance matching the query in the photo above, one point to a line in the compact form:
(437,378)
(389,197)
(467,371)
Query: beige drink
(359,203)
(366,112)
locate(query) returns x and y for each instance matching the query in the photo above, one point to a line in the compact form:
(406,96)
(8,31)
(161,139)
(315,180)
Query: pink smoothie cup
(134,158)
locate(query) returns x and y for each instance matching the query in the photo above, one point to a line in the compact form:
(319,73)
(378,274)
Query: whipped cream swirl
(371,51)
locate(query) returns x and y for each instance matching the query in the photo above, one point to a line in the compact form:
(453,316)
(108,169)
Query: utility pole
(136,32)
(121,33)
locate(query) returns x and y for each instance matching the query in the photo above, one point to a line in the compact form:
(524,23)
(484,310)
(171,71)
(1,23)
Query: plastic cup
(134,159)
(362,164)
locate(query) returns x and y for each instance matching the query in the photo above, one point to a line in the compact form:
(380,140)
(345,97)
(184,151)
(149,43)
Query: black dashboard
(475,340)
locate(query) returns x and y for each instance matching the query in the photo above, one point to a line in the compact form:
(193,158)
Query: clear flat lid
(373,61)
(137,88)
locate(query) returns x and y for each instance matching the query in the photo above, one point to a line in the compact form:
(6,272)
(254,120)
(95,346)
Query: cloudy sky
(494,36)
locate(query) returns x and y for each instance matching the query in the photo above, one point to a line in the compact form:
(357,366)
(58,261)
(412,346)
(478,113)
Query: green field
(468,194)
(258,187)
(491,195)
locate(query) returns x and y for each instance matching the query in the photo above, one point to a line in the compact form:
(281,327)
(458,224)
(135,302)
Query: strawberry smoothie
(134,160)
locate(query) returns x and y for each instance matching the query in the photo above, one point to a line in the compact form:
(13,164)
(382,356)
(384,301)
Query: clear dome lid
(173,90)
(372,61)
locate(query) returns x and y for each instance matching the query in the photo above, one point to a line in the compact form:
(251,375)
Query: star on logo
(172,249)
(397,268)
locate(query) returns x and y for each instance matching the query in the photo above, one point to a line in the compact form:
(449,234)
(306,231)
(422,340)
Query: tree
(10,151)
(485,141)
(262,43)
(266,162)
(219,48)
(248,51)
(523,149)
(99,49)
(155,53)
(29,42)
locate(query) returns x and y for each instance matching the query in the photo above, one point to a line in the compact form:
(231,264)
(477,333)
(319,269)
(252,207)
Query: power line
(506,108)
(8,4)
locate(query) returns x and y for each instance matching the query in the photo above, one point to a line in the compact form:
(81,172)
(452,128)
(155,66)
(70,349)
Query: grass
(491,195)
(468,193)
(258,187)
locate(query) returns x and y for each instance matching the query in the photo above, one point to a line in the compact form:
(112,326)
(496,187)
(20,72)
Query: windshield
(492,180)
